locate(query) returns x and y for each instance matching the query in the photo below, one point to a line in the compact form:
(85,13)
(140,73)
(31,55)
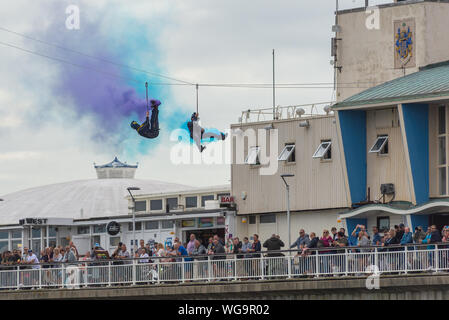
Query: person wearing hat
(197,133)
(150,128)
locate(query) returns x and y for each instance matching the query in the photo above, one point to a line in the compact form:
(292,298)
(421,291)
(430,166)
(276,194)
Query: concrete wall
(367,56)
(427,287)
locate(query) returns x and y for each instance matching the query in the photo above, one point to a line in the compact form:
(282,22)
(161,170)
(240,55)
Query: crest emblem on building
(404,44)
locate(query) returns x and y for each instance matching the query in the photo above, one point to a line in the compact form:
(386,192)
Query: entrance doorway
(204,235)
(439,219)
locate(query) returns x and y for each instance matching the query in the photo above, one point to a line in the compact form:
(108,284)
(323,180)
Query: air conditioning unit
(387,188)
(211,204)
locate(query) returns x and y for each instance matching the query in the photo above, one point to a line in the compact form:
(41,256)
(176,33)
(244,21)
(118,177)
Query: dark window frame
(264,217)
(139,209)
(378,224)
(154,207)
(191,197)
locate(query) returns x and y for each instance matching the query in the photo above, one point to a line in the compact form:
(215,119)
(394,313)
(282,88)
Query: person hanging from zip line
(150,128)
(197,133)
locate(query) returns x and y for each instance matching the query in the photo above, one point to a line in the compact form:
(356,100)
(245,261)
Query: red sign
(226,199)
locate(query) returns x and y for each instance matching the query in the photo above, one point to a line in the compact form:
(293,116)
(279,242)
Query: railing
(305,111)
(356,4)
(259,266)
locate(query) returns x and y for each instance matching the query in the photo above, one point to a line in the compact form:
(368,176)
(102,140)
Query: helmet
(194,116)
(155,103)
(135,125)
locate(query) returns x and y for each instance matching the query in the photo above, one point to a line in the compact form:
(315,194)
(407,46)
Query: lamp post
(283,176)
(134,216)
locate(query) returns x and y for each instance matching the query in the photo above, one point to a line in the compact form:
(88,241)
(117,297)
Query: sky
(67,105)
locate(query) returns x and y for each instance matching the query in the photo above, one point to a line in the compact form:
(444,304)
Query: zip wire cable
(93,57)
(248,86)
(146,86)
(81,66)
(160,75)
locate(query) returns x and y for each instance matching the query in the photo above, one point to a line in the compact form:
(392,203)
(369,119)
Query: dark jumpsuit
(150,128)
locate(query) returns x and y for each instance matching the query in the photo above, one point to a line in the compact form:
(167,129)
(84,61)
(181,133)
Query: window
(442,120)
(191,202)
(253,156)
(151,225)
(442,140)
(167,224)
(221,221)
(99,228)
(381,145)
(3,246)
(205,222)
(206,198)
(383,224)
(288,153)
(83,230)
(188,223)
(16,234)
(324,150)
(141,206)
(113,241)
(36,233)
(442,180)
(4,235)
(252,220)
(156,205)
(16,244)
(52,232)
(267,218)
(138,226)
(172,203)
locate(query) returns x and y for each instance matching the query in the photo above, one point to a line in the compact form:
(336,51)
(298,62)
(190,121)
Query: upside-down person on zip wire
(150,128)
(197,133)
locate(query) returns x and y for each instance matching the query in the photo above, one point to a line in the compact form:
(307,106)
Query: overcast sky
(56,119)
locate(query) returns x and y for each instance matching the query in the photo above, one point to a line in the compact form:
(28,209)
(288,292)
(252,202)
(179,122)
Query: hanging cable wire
(318,85)
(94,57)
(81,66)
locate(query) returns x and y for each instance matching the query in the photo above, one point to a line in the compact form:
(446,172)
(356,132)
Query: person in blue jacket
(150,128)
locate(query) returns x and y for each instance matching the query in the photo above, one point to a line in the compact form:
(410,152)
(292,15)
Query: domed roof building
(82,199)
(81,210)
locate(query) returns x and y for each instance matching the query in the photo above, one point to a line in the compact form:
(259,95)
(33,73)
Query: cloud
(19,155)
(73,117)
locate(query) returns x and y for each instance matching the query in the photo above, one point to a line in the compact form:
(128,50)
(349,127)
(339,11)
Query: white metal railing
(303,111)
(284,264)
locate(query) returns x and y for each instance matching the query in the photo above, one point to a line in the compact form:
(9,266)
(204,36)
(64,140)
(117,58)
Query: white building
(80,211)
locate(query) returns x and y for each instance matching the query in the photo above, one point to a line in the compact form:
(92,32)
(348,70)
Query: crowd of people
(197,256)
(217,247)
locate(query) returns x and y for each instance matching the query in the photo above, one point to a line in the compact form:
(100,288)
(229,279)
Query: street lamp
(283,176)
(134,216)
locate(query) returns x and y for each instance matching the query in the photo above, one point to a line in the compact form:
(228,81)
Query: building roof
(116,163)
(430,83)
(78,199)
